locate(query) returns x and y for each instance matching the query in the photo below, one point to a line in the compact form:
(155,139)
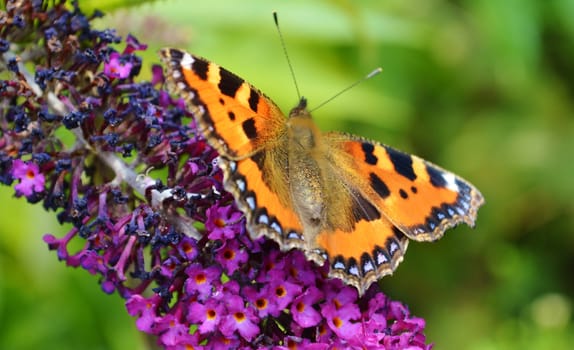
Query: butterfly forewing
(420,198)
(235,118)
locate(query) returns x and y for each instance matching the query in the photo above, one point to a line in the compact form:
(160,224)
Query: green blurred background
(483,88)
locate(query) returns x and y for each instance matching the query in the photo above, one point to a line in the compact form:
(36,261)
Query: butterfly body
(307,174)
(341,199)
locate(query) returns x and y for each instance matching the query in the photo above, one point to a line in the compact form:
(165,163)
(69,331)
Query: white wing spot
(339,265)
(381,259)
(368,266)
(393,247)
(187,61)
(450,180)
(250,202)
(276,227)
(264,219)
(354,271)
(240,184)
(294,235)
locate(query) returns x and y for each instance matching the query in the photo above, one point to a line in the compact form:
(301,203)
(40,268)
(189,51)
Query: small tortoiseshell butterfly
(337,197)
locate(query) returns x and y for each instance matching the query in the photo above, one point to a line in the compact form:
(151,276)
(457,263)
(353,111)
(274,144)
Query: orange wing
(236,119)
(249,132)
(420,198)
(264,200)
(372,249)
(394,195)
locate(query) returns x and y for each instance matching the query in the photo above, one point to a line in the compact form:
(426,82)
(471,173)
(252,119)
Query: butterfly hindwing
(372,249)
(264,199)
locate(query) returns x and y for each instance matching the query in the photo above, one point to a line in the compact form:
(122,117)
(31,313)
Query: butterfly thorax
(301,129)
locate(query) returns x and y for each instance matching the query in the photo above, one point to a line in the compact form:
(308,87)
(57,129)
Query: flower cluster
(83,136)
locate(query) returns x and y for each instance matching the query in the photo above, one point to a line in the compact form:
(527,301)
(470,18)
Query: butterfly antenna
(276,19)
(366,77)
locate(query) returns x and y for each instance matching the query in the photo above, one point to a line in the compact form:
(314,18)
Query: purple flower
(201,280)
(299,270)
(4,45)
(340,320)
(188,248)
(133,44)
(222,222)
(145,311)
(159,78)
(340,295)
(261,301)
(219,342)
(116,67)
(31,180)
(283,292)
(303,309)
(172,332)
(230,255)
(207,315)
(239,318)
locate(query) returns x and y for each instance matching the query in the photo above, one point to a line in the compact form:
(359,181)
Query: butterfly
(339,198)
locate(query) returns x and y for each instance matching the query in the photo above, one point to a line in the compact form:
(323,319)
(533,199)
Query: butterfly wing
(235,118)
(393,195)
(420,198)
(362,252)
(248,131)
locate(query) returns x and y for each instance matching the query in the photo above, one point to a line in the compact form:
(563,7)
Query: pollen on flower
(211,314)
(261,303)
(188,248)
(239,316)
(200,278)
(228,254)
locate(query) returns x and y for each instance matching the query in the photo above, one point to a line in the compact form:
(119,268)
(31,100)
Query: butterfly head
(301,129)
(300,111)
